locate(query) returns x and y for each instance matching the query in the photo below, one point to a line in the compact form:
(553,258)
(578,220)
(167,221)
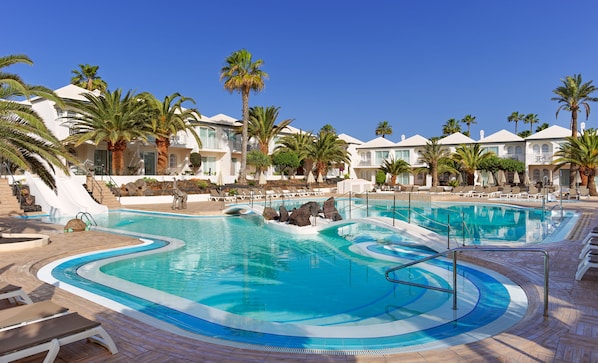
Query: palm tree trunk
(118,156)
(162,145)
(243,171)
(592,184)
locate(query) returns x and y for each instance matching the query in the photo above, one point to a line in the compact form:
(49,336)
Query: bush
(203,184)
(380,177)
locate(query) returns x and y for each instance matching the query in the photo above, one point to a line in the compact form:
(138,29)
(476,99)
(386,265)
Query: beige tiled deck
(569,334)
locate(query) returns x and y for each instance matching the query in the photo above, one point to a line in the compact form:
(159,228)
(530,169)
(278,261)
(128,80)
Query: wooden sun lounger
(26,314)
(49,335)
(12,292)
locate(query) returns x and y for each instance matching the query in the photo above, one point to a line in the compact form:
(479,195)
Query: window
(518,150)
(208,165)
(381,156)
(510,150)
(545,148)
(493,149)
(403,178)
(172,161)
(366,158)
(402,155)
(536,175)
(208,138)
(536,149)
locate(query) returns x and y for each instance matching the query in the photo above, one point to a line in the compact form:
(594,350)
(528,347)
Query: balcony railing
(543,158)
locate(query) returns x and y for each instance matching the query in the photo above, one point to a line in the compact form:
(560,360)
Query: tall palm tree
(437,159)
(168,117)
(395,168)
(261,125)
(243,75)
(111,118)
(531,119)
(26,141)
(326,150)
(384,129)
(469,157)
(583,152)
(450,127)
(469,120)
(573,95)
(86,76)
(515,117)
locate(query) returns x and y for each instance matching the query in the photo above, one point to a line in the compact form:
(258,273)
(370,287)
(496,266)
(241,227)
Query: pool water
(470,223)
(234,280)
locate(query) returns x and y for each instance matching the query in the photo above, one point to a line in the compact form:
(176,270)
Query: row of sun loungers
(34,328)
(589,254)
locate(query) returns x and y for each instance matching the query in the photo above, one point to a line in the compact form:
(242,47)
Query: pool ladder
(454,251)
(89,220)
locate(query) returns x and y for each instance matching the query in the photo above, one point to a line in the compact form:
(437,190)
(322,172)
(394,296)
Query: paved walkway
(569,334)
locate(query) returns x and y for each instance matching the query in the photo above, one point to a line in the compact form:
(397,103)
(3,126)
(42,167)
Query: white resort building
(221,149)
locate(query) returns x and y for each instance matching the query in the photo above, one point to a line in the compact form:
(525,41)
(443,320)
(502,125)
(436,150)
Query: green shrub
(202,184)
(380,177)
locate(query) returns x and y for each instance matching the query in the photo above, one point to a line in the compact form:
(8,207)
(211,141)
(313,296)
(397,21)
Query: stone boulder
(330,210)
(270,214)
(284,214)
(300,217)
(75,225)
(313,208)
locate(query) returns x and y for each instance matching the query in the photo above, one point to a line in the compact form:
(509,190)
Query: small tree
(259,160)
(286,160)
(195,162)
(380,177)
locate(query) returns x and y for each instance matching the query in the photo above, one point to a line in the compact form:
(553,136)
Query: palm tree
(469,157)
(543,126)
(573,95)
(450,127)
(326,150)
(328,128)
(299,143)
(469,120)
(87,77)
(384,129)
(531,119)
(582,152)
(394,168)
(261,125)
(168,117)
(243,75)
(515,117)
(26,142)
(110,118)
(437,159)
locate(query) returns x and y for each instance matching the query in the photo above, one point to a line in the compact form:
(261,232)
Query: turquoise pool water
(234,281)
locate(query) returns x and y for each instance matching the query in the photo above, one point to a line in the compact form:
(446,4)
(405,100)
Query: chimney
(403,136)
(481,134)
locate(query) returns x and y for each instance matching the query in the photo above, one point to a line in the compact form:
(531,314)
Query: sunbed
(12,292)
(49,335)
(30,313)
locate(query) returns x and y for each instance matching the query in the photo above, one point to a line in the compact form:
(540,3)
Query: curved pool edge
(45,274)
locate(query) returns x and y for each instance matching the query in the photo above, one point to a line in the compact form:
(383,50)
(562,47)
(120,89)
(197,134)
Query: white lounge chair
(588,262)
(49,335)
(14,293)
(30,313)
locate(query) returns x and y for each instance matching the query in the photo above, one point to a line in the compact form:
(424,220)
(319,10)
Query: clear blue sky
(349,63)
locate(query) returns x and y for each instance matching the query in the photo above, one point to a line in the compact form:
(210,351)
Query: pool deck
(569,334)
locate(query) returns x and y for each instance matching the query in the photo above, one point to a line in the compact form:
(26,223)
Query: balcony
(539,159)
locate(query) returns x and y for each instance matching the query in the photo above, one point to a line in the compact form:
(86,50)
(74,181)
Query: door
(149,163)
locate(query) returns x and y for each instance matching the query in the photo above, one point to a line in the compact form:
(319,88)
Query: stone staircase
(9,205)
(104,196)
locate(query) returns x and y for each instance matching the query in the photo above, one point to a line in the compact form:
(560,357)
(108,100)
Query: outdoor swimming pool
(232,281)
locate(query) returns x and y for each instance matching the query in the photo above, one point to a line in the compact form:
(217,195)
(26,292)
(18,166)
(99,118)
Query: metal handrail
(87,216)
(468,249)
